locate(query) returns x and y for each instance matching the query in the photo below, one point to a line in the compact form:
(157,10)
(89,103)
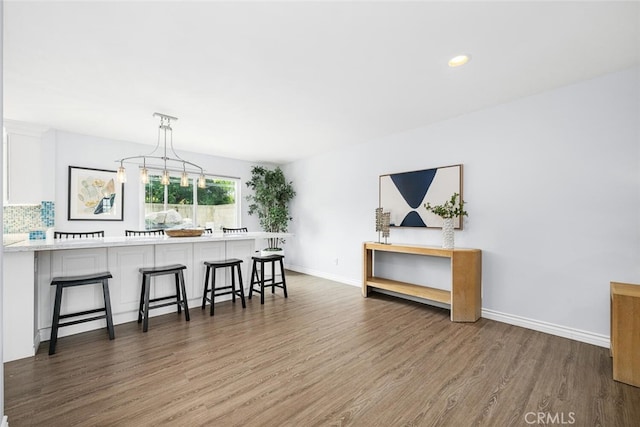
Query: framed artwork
(94,195)
(404,194)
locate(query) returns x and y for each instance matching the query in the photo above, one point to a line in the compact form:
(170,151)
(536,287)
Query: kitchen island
(30,265)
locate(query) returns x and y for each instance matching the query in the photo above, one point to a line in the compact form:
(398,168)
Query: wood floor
(323,357)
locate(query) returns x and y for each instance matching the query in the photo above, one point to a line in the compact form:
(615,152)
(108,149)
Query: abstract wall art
(404,194)
(94,195)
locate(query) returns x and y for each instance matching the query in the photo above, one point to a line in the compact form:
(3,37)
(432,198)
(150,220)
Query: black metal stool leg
(107,308)
(56,320)
(146,287)
(233,285)
(177,280)
(213,291)
(141,307)
(253,276)
(206,286)
(244,304)
(184,297)
(284,282)
(261,283)
(273,277)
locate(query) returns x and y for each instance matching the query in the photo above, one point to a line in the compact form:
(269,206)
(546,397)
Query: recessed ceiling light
(459,60)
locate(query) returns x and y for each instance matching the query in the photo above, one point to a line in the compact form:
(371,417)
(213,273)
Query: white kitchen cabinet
(30,163)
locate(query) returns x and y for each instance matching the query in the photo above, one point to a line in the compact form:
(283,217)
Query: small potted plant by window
(270,201)
(448,211)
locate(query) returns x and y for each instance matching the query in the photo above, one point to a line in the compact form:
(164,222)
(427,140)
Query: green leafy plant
(270,200)
(452,208)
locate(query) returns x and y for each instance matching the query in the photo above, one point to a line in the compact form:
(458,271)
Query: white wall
(98,153)
(1,251)
(553,195)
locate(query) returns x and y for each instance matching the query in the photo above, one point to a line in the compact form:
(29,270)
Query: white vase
(272,251)
(447,233)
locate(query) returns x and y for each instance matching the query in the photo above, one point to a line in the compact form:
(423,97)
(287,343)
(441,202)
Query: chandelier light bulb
(144,175)
(202,181)
(184,180)
(165,177)
(121,176)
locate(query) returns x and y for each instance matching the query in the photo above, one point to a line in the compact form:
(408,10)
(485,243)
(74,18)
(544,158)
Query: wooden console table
(625,332)
(465,297)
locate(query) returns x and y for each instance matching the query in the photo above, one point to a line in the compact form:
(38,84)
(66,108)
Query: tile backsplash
(26,218)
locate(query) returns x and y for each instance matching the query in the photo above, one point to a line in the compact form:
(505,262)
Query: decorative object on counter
(383,220)
(184,232)
(402,194)
(448,211)
(379,223)
(386,219)
(164,130)
(270,201)
(94,196)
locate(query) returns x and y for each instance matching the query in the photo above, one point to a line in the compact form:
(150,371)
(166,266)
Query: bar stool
(68,281)
(211,267)
(77,234)
(158,232)
(147,274)
(239,230)
(257,278)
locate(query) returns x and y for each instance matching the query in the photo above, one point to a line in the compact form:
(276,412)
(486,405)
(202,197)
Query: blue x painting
(404,194)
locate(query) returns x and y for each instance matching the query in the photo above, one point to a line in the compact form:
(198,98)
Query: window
(214,206)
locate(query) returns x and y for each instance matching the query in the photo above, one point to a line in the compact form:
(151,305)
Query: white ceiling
(279,81)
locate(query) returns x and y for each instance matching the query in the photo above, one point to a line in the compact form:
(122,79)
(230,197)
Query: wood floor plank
(323,357)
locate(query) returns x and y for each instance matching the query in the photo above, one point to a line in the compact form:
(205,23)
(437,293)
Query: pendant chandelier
(164,132)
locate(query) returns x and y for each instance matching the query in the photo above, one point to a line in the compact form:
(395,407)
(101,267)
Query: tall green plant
(270,200)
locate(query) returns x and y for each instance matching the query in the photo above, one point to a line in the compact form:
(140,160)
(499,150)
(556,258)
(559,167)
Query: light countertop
(51,245)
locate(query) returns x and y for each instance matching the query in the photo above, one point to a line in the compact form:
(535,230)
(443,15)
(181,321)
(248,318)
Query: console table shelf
(425,292)
(465,297)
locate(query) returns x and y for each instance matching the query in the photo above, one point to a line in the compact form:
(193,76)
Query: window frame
(193,177)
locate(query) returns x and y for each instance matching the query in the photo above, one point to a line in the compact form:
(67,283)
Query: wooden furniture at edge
(625,332)
(465,297)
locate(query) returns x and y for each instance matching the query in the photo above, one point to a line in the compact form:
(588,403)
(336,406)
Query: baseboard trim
(549,328)
(511,319)
(324,275)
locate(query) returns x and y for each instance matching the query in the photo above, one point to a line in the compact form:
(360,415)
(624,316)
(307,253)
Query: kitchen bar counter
(106,242)
(30,265)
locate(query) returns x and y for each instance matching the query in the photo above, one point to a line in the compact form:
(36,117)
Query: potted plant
(270,201)
(451,209)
